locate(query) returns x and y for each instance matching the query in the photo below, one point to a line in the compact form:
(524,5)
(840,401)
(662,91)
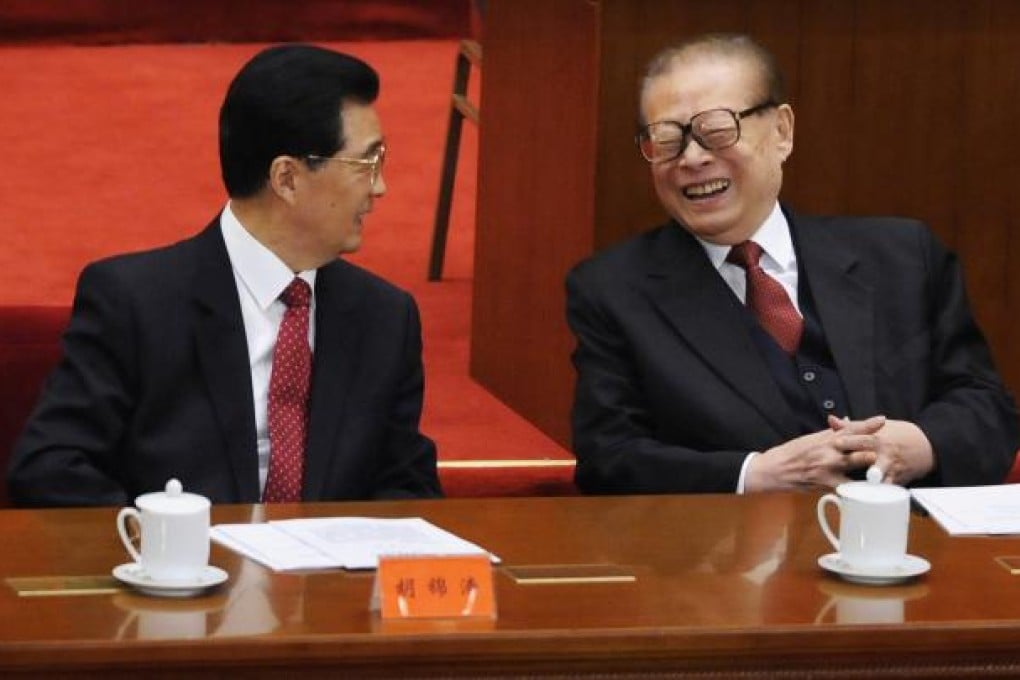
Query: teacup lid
(870,492)
(173,500)
(875,475)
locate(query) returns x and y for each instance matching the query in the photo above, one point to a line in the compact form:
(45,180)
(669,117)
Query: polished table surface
(722,585)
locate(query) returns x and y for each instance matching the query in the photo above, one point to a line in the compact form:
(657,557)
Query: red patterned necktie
(767,298)
(288,397)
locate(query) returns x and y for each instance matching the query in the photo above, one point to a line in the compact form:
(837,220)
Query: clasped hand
(823,459)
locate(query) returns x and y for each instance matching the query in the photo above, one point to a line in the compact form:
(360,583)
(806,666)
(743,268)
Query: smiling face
(336,195)
(721,196)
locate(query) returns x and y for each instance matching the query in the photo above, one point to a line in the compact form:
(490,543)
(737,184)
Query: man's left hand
(903,451)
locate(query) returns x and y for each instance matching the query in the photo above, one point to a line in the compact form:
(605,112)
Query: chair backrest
(1013,477)
(29,348)
(481,478)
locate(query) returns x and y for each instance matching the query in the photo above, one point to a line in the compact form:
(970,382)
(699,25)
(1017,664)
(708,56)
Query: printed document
(347,542)
(973,510)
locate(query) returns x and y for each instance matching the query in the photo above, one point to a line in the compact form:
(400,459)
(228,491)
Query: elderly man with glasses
(743,347)
(249,362)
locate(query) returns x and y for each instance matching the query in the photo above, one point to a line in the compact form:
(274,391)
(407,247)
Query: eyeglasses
(714,130)
(374,162)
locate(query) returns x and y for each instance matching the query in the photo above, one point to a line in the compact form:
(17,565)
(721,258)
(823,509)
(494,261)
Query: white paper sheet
(347,542)
(973,510)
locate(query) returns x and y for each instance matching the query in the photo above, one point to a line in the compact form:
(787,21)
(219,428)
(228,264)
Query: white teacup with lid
(174,534)
(873,523)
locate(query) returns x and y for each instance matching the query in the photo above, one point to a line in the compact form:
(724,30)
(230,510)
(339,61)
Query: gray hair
(723,45)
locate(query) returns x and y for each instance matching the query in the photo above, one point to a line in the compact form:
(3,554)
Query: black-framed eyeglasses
(374,162)
(714,130)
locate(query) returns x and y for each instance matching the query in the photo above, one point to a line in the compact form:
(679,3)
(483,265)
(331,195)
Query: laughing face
(721,196)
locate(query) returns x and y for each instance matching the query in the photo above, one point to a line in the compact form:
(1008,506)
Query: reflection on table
(714,583)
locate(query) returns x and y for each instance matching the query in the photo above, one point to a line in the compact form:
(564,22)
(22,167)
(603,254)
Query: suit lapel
(223,357)
(844,301)
(337,335)
(696,301)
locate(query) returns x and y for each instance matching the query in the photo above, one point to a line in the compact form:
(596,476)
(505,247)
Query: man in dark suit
(171,364)
(702,368)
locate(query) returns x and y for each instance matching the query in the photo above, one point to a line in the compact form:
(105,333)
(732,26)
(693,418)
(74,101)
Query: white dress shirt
(261,277)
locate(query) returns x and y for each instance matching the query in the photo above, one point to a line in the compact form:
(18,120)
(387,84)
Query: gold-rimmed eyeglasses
(714,130)
(374,163)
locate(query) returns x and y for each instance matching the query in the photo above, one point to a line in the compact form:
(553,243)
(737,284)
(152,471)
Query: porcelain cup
(873,524)
(174,534)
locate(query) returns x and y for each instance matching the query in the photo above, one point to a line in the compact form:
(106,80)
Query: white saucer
(132,574)
(910,567)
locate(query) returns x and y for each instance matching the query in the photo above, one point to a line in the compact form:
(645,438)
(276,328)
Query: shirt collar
(774,238)
(262,273)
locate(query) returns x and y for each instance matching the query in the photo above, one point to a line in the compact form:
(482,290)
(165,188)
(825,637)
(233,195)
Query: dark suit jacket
(155,383)
(672,393)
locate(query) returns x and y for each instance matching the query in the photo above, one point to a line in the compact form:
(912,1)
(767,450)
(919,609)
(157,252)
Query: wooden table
(723,585)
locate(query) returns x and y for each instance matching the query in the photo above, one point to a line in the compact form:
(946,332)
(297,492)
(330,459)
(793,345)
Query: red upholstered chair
(29,348)
(1014,472)
(478,478)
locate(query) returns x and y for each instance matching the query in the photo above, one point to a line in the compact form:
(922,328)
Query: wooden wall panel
(822,85)
(987,197)
(903,107)
(902,161)
(537,154)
